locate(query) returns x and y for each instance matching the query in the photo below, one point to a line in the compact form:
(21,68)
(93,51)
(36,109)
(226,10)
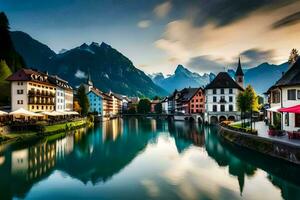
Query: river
(143,159)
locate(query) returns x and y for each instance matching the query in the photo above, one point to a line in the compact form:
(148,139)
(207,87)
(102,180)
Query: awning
(292,109)
(53,113)
(274,109)
(3,113)
(71,113)
(22,111)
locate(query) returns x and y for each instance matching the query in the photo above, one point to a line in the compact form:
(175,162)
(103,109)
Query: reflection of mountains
(95,155)
(104,153)
(186,134)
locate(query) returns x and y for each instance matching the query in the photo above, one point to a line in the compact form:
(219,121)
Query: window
(292,94)
(222,100)
(298,94)
(230,107)
(230,99)
(222,91)
(20,102)
(276,96)
(215,108)
(222,108)
(20,91)
(214,91)
(240,79)
(230,91)
(214,99)
(297,120)
(286,119)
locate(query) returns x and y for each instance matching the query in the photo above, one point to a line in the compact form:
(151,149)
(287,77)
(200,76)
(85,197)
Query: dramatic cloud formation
(163,9)
(203,47)
(144,24)
(288,21)
(255,56)
(206,64)
(160,34)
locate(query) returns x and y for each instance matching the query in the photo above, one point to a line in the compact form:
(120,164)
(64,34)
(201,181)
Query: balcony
(40,94)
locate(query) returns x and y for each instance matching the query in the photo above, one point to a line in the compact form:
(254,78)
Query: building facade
(285,93)
(189,101)
(96,101)
(221,97)
(37,92)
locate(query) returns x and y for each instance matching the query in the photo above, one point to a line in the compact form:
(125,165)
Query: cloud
(183,41)
(144,24)
(205,64)
(80,74)
(162,10)
(225,12)
(255,56)
(287,21)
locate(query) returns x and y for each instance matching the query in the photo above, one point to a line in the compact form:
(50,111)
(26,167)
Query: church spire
(89,79)
(239,71)
(239,74)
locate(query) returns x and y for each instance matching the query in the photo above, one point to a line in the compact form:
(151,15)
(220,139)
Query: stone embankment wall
(266,146)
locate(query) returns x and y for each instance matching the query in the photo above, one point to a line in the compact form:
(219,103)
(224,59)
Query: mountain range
(181,78)
(109,69)
(261,77)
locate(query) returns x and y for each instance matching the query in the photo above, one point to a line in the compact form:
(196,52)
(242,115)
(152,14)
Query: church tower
(239,74)
(89,83)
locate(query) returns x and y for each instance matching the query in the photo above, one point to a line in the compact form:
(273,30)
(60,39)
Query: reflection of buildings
(64,146)
(224,157)
(112,129)
(185,135)
(33,162)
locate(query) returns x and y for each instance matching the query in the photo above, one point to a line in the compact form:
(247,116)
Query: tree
(7,50)
(132,109)
(247,101)
(77,107)
(83,100)
(144,106)
(4,85)
(156,98)
(158,108)
(293,56)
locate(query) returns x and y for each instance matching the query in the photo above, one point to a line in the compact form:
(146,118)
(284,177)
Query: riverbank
(275,148)
(46,131)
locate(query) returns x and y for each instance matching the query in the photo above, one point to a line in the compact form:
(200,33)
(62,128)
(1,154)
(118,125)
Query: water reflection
(98,154)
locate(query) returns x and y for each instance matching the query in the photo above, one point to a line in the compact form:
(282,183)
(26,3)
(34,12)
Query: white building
(37,92)
(164,105)
(285,94)
(221,97)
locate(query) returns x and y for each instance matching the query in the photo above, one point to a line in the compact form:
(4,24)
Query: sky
(157,35)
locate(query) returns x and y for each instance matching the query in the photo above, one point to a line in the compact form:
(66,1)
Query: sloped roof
(291,77)
(187,94)
(239,70)
(223,80)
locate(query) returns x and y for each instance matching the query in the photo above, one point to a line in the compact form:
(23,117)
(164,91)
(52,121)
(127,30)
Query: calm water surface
(142,159)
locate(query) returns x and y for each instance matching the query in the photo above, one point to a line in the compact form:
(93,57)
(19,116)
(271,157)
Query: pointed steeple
(239,71)
(89,79)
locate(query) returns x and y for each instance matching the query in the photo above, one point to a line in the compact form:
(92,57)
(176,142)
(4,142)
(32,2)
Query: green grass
(239,125)
(62,126)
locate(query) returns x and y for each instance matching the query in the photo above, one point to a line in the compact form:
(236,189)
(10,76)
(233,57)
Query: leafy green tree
(144,106)
(83,100)
(247,101)
(132,109)
(7,50)
(4,85)
(158,108)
